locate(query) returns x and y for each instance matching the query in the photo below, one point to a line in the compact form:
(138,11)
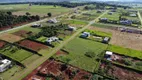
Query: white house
(36,25)
(52,39)
(52,21)
(72,28)
(108,55)
(85,35)
(4,65)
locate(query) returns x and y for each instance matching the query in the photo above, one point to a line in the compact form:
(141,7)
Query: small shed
(52,21)
(108,55)
(36,25)
(70,28)
(106,40)
(85,35)
(4,65)
(52,39)
(133,15)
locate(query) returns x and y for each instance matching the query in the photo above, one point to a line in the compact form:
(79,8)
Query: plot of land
(23,33)
(119,72)
(2,44)
(58,69)
(77,49)
(15,53)
(10,37)
(32,45)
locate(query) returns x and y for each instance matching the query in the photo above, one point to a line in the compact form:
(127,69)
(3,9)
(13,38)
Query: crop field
(10,37)
(40,10)
(15,53)
(32,45)
(77,49)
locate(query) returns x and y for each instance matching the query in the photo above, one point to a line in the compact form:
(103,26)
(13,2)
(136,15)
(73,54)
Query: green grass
(125,51)
(99,33)
(41,10)
(114,16)
(77,22)
(42,39)
(77,49)
(18,55)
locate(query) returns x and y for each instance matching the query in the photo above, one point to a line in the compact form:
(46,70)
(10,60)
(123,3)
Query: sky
(70,0)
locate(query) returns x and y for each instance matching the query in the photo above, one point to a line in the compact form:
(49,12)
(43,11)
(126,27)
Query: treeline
(66,4)
(8,19)
(72,5)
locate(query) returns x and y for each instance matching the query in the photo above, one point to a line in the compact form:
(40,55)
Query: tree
(49,14)
(28,14)
(9,13)
(55,6)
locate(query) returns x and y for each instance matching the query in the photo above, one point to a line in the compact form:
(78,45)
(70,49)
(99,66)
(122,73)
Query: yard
(15,53)
(77,49)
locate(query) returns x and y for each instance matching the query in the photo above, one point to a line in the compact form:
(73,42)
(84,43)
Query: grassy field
(125,51)
(42,39)
(77,22)
(99,33)
(15,53)
(41,10)
(114,16)
(77,49)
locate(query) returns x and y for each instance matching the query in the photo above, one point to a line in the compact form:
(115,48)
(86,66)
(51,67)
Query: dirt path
(39,61)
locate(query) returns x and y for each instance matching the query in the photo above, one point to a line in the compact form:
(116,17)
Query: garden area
(83,53)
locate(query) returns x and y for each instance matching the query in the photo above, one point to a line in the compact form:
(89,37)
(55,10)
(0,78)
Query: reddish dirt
(23,33)
(2,43)
(121,73)
(60,52)
(32,45)
(55,68)
(124,39)
(10,37)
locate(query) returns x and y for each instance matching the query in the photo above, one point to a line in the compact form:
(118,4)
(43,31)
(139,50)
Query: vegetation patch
(125,51)
(78,48)
(15,53)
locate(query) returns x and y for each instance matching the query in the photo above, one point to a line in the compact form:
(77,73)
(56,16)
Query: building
(52,39)
(133,15)
(110,13)
(103,19)
(36,25)
(52,21)
(70,28)
(106,40)
(126,22)
(5,64)
(108,55)
(85,35)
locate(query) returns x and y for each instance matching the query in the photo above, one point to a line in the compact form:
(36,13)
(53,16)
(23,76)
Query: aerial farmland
(70,41)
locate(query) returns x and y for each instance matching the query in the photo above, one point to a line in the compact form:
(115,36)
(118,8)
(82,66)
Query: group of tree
(8,19)
(50,31)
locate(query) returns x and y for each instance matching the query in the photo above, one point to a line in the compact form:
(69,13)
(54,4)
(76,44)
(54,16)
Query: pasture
(77,49)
